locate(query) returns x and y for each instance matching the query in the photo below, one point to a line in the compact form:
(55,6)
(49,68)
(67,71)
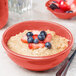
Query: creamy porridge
(58,44)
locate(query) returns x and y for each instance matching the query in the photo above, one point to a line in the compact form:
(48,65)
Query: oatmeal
(56,44)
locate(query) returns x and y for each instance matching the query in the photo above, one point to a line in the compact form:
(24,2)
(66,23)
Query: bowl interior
(37,25)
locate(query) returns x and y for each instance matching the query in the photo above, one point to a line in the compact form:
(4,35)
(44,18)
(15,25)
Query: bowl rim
(46,4)
(37,57)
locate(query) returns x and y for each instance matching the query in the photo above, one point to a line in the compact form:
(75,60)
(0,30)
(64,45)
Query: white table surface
(38,12)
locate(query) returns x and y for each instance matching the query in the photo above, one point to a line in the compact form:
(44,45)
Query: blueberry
(36,41)
(65,0)
(30,39)
(43,33)
(41,37)
(54,1)
(48,45)
(53,6)
(69,11)
(29,34)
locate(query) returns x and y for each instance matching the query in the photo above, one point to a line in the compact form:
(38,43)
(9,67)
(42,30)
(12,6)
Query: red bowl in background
(60,14)
(32,62)
(3,13)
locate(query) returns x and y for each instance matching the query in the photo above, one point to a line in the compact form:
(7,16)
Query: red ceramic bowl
(59,14)
(3,12)
(32,62)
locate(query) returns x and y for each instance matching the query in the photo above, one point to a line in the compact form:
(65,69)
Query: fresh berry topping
(36,46)
(64,0)
(30,39)
(29,34)
(24,39)
(48,45)
(53,6)
(64,6)
(36,41)
(35,32)
(48,38)
(54,1)
(43,33)
(59,10)
(41,37)
(69,11)
(35,36)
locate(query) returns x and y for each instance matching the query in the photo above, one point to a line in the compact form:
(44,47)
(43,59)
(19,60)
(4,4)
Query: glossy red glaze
(60,14)
(3,12)
(37,63)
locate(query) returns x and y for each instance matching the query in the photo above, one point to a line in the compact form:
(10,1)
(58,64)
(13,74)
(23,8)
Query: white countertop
(38,12)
